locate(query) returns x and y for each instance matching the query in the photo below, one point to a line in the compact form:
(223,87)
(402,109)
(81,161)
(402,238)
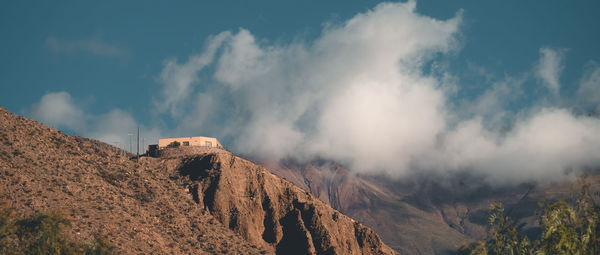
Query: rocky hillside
(203,204)
(421,215)
(268,210)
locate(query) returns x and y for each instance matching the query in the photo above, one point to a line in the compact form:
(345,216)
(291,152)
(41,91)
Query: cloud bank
(358,95)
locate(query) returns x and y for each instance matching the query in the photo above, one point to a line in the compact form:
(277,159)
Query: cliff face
(268,210)
(204,204)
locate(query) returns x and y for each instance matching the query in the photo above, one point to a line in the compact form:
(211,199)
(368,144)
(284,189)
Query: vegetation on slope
(42,233)
(566,228)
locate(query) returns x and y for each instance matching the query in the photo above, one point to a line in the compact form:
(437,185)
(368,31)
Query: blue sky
(501,36)
(78,65)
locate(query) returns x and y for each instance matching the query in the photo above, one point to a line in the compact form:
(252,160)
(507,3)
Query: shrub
(42,233)
(7,230)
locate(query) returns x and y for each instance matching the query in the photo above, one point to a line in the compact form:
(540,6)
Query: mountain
(422,214)
(201,203)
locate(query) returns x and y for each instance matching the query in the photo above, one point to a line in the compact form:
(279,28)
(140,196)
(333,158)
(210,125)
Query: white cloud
(549,68)
(357,95)
(178,79)
(242,59)
(94,46)
(58,110)
(491,106)
(335,97)
(350,95)
(541,146)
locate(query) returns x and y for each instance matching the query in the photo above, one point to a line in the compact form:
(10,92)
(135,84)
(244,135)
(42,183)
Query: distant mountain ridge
(207,203)
(421,214)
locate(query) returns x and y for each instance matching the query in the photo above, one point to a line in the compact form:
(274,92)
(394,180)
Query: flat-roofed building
(189,142)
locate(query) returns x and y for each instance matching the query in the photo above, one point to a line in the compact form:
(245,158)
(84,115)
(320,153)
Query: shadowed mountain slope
(422,214)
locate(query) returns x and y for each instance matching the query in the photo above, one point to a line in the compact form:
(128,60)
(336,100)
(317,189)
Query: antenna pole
(138,143)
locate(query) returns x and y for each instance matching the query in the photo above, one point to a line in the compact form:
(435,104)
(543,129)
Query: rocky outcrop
(268,210)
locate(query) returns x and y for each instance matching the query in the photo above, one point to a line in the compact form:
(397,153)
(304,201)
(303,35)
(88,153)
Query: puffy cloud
(380,126)
(549,68)
(335,97)
(242,59)
(57,109)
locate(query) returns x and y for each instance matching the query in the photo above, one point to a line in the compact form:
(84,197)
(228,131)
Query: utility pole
(138,144)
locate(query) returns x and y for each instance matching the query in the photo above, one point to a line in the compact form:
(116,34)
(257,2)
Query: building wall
(193,141)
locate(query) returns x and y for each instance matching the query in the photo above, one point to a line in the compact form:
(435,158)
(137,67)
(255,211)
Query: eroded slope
(271,211)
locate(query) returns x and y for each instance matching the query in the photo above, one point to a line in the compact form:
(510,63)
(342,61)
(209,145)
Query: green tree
(566,229)
(503,237)
(559,229)
(571,229)
(588,213)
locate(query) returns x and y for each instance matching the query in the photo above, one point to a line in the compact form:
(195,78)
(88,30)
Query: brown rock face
(268,210)
(205,204)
